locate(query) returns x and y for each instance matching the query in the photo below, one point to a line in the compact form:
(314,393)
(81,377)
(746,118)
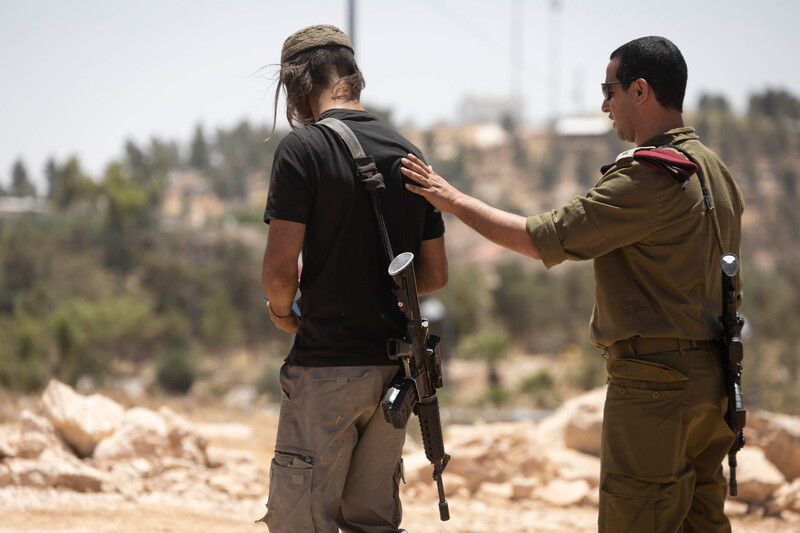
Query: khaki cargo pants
(663,442)
(337,461)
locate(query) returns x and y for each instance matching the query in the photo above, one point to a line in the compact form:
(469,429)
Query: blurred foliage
(106,279)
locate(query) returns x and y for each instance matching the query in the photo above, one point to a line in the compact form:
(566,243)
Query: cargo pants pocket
(627,505)
(642,420)
(289,505)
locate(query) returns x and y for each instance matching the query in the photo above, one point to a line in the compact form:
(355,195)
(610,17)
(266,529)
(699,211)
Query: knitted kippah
(313,37)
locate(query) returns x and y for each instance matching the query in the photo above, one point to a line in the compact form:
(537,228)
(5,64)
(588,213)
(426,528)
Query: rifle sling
(367,171)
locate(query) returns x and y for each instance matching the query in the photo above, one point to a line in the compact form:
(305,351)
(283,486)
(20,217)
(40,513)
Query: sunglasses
(607,85)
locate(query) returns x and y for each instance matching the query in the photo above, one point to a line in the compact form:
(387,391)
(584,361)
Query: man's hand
(432,186)
(288,323)
(503,228)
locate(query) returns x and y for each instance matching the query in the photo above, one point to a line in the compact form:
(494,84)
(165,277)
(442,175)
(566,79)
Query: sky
(80,78)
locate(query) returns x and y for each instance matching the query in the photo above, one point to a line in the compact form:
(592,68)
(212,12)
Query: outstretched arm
(503,228)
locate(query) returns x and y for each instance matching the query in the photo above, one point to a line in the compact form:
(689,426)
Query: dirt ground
(62,511)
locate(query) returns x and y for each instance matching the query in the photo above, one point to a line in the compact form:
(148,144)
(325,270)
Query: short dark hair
(657,60)
(317,67)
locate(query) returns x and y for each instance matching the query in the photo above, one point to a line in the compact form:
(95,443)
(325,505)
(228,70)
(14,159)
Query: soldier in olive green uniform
(658,297)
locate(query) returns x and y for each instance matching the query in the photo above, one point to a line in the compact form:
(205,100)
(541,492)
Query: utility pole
(555,60)
(517,32)
(351,22)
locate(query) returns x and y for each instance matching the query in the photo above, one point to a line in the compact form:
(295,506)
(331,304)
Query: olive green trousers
(337,462)
(663,442)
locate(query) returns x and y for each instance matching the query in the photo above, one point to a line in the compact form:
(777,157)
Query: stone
(82,421)
(564,493)
(785,498)
(570,465)
(779,436)
(35,435)
(142,433)
(756,476)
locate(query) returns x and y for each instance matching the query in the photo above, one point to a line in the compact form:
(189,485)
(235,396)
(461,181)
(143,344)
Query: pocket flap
(326,373)
(645,371)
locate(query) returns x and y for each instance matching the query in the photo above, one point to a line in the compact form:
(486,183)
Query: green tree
(20,183)
(51,175)
(774,103)
(200,155)
(71,185)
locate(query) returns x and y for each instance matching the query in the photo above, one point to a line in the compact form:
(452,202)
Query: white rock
(35,435)
(495,491)
(142,433)
(57,469)
(5,475)
(574,422)
(756,476)
(565,493)
(82,421)
(779,436)
(570,465)
(786,498)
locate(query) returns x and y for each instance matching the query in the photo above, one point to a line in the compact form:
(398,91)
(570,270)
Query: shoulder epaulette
(670,162)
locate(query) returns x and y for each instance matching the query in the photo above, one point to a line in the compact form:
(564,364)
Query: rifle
(730,339)
(732,354)
(414,386)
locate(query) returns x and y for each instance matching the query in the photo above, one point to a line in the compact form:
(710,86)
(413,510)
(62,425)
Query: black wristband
(276,315)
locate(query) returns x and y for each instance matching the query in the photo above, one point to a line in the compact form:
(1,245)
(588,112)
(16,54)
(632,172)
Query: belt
(648,345)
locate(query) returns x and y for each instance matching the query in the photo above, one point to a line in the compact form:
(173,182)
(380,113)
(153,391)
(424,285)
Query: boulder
(756,476)
(786,498)
(144,433)
(779,436)
(8,447)
(35,435)
(82,421)
(563,493)
(576,424)
(5,475)
(141,433)
(570,465)
(185,440)
(55,469)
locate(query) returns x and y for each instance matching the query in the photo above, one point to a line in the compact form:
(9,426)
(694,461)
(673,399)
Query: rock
(82,421)
(57,469)
(575,423)
(7,447)
(36,434)
(570,465)
(565,493)
(142,433)
(5,475)
(524,487)
(495,491)
(756,476)
(779,436)
(786,498)
(184,439)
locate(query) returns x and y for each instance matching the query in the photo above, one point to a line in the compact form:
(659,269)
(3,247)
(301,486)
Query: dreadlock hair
(321,67)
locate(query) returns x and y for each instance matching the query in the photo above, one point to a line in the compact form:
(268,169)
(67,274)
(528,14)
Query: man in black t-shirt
(337,461)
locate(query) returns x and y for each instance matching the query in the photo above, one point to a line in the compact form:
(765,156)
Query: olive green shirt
(656,258)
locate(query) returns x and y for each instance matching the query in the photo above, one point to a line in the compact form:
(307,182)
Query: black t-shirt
(347,310)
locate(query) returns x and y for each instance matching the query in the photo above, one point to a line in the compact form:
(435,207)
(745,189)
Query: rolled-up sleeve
(620,210)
